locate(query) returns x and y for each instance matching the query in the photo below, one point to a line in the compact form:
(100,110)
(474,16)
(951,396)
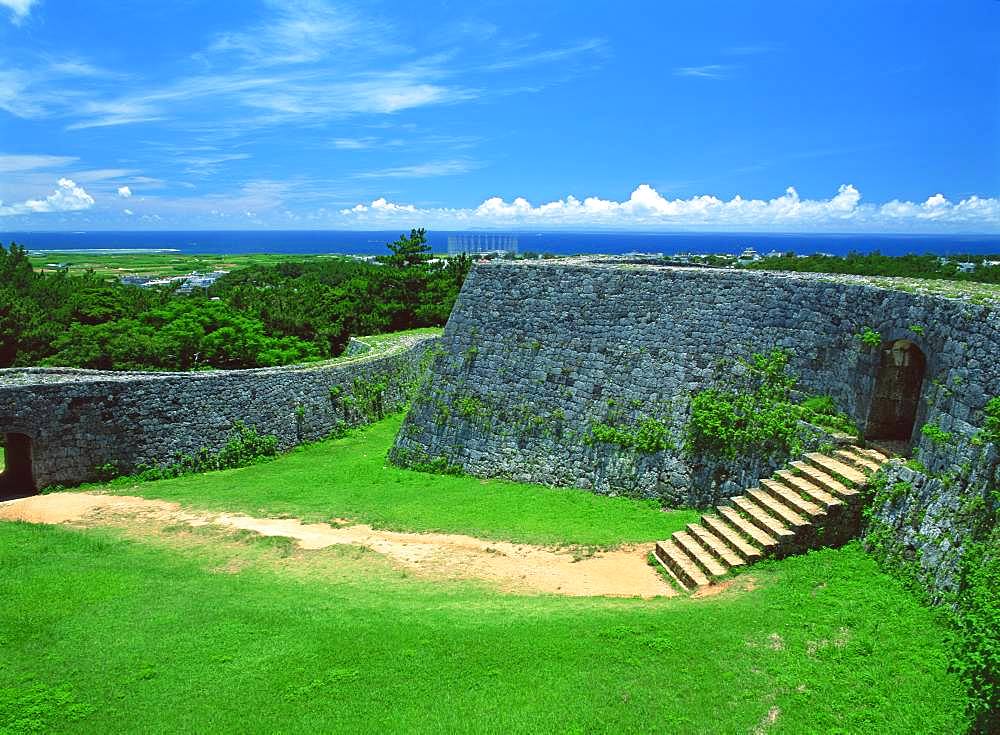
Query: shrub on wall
(977,621)
(755,414)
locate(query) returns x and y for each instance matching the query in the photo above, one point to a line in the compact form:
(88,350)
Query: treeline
(257,317)
(876,264)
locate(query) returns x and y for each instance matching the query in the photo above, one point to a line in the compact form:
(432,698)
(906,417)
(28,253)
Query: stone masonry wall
(81,419)
(536,352)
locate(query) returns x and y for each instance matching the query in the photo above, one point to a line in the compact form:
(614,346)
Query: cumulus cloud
(380,205)
(646,207)
(19,9)
(129,212)
(68,197)
(124,192)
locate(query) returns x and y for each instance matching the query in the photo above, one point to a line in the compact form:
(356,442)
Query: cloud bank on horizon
(646,207)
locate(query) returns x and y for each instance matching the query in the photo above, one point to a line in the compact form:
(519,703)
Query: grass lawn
(349,478)
(205,630)
(102,634)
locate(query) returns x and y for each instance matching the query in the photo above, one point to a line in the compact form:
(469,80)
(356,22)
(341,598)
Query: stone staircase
(815,503)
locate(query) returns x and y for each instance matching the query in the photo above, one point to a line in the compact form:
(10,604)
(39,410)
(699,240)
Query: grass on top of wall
(101,634)
(349,478)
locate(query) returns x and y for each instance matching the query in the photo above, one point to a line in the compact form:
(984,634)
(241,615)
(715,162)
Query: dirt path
(512,567)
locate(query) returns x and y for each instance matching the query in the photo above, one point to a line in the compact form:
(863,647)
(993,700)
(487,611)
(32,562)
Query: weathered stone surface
(81,419)
(535,351)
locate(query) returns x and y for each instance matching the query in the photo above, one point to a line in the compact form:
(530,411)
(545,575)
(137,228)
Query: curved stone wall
(78,420)
(536,352)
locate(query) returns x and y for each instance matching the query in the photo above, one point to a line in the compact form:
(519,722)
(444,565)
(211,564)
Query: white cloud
(550,55)
(95,175)
(353,144)
(17,163)
(380,205)
(646,207)
(19,9)
(709,71)
(129,212)
(116,112)
(68,197)
(422,170)
(124,192)
(299,32)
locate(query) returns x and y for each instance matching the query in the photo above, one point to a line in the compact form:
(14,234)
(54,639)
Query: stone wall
(536,353)
(78,420)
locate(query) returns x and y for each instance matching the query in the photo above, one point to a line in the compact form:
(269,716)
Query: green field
(217,631)
(157,264)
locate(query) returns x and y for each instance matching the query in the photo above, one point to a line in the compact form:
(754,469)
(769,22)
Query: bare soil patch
(520,568)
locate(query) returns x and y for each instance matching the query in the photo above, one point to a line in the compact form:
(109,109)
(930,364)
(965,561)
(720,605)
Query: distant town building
(187,283)
(486,243)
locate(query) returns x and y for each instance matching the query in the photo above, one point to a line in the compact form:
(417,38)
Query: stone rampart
(79,420)
(536,353)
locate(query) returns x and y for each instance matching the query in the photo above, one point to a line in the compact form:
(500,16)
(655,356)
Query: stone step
(799,483)
(762,519)
(748,530)
(835,467)
(718,548)
(859,461)
(701,556)
(723,530)
(680,565)
(826,482)
(784,494)
(874,453)
(778,509)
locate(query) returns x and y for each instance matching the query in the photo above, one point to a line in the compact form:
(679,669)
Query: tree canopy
(253,317)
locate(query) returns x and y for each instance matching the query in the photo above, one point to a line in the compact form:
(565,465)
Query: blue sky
(774,116)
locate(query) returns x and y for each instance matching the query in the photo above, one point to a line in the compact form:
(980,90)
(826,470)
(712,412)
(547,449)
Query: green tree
(408,252)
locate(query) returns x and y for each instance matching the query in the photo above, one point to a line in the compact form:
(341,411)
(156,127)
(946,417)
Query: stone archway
(18,478)
(898,385)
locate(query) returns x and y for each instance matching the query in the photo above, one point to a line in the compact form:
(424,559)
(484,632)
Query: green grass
(349,478)
(102,634)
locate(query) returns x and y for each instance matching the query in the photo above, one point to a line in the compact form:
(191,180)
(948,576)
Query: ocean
(308,242)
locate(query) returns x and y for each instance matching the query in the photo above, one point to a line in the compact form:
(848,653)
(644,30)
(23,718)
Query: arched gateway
(898,385)
(17,479)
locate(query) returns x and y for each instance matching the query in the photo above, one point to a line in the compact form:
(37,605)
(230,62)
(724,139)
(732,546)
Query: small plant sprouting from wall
(990,432)
(470,407)
(756,415)
(938,436)
(300,419)
(244,447)
(917,329)
(869,338)
(822,411)
(366,399)
(647,435)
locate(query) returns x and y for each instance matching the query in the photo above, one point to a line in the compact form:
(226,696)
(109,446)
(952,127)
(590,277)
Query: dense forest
(254,317)
(876,264)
